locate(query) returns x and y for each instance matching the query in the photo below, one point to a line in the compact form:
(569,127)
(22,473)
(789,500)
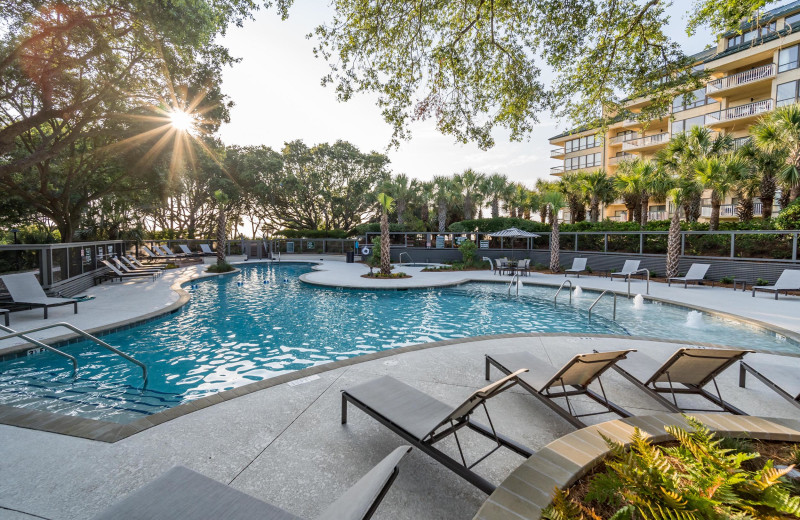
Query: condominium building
(752,71)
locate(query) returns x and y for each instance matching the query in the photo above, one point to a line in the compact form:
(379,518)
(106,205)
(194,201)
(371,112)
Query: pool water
(264,321)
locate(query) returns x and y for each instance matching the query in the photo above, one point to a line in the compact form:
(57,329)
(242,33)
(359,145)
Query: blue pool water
(263,322)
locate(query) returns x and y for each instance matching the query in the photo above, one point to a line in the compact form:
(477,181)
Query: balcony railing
(557,152)
(732,210)
(657,215)
(622,138)
(555,170)
(739,142)
(742,111)
(642,142)
(742,78)
(620,158)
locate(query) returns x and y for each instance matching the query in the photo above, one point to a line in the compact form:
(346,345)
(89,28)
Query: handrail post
(598,299)
(733,242)
(565,282)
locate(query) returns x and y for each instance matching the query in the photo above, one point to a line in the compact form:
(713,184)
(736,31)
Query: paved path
(286,445)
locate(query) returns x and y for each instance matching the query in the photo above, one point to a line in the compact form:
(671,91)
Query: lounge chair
(628,269)
(691,368)
(134,270)
(6,313)
(781,379)
(423,420)
(168,252)
(207,250)
(578,267)
(182,494)
(547,382)
(789,280)
(151,262)
(24,288)
(152,255)
(189,252)
(134,264)
(696,273)
(116,273)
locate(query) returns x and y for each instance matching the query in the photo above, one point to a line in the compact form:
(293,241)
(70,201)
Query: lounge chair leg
(76,308)
(686,284)
(742,375)
(344,409)
(45,312)
(488,367)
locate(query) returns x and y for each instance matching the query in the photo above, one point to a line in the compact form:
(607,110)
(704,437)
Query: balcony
(557,153)
(739,142)
(648,142)
(732,210)
(733,115)
(614,161)
(728,85)
(618,140)
(657,215)
(556,170)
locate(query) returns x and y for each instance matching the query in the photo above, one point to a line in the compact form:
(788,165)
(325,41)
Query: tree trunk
(66,228)
(594,211)
(401,212)
(222,236)
(386,259)
(766,191)
(555,265)
(442,216)
(527,214)
(784,199)
(715,206)
(794,193)
(644,207)
(674,244)
(467,207)
(695,202)
(542,216)
(745,209)
(495,207)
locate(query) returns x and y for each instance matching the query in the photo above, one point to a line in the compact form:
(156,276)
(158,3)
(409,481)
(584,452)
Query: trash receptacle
(351,257)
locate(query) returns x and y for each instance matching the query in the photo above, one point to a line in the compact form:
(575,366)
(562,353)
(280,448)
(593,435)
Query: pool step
(85,398)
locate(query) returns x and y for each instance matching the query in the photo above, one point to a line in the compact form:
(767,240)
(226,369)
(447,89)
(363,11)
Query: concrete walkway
(286,445)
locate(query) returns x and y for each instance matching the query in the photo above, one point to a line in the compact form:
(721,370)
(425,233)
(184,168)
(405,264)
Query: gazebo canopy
(514,233)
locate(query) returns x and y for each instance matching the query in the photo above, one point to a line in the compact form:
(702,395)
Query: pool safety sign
(484,244)
(440,242)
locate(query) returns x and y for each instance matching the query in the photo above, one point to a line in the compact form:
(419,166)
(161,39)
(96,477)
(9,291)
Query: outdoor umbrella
(514,233)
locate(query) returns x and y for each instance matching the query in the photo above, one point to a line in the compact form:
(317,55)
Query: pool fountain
(638,302)
(578,292)
(694,320)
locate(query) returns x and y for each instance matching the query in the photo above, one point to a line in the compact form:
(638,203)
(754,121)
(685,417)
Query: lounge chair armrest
(490,389)
(360,501)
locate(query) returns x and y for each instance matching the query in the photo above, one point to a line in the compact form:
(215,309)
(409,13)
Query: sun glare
(181,121)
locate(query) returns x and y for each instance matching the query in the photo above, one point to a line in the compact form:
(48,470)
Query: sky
(278,98)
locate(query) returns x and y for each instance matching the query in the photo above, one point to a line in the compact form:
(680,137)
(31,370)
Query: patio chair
(781,379)
(696,273)
(152,255)
(628,270)
(132,263)
(189,252)
(578,267)
(25,289)
(168,252)
(546,382)
(524,266)
(183,494)
(789,280)
(423,420)
(691,368)
(206,249)
(500,265)
(116,273)
(6,316)
(126,269)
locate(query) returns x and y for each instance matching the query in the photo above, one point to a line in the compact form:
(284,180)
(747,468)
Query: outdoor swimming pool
(264,321)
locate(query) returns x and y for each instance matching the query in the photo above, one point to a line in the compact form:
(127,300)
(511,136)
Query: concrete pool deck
(285,444)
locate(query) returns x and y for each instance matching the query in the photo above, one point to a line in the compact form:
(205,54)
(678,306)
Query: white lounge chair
(696,273)
(25,289)
(206,249)
(168,252)
(116,273)
(138,266)
(189,252)
(628,269)
(578,267)
(152,255)
(134,270)
(789,280)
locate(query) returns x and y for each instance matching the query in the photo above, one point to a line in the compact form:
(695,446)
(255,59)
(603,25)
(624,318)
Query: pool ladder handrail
(598,299)
(42,345)
(79,332)
(636,272)
(514,277)
(565,282)
(400,258)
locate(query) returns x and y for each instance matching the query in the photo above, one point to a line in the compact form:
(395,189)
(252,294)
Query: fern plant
(697,479)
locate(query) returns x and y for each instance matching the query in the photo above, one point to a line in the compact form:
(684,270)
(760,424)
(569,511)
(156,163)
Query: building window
(793,18)
(582,143)
(751,35)
(786,94)
(694,99)
(787,58)
(686,124)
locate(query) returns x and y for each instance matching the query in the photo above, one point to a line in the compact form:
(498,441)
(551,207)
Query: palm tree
(222,232)
(496,188)
(444,194)
(656,185)
(469,184)
(780,132)
(554,202)
(629,185)
(543,186)
(532,203)
(719,174)
(424,198)
(766,167)
(674,235)
(386,203)
(599,188)
(570,186)
(403,191)
(682,153)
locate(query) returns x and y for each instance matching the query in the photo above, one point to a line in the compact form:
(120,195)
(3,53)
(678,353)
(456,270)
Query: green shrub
(789,217)
(761,282)
(220,268)
(468,249)
(375,259)
(697,479)
(726,279)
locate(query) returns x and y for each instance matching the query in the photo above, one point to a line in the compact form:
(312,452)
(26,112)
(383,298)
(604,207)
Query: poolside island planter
(529,489)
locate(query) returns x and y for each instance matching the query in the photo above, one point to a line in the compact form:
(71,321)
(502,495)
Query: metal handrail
(565,282)
(83,334)
(44,346)
(598,299)
(635,272)
(514,277)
